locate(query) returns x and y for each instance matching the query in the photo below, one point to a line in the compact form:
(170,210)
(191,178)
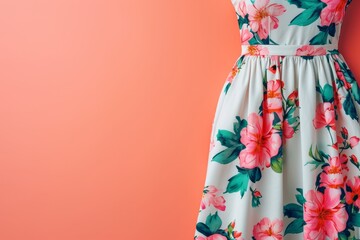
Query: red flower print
(325,116)
(210,197)
(353,191)
(263,17)
(333,12)
(324,214)
(267,229)
(261,141)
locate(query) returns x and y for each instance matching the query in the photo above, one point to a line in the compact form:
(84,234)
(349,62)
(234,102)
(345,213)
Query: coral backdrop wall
(106,110)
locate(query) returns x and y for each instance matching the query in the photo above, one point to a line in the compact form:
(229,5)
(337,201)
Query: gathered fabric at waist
(288,50)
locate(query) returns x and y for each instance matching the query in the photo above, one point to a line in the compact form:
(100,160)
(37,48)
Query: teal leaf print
(349,107)
(227,87)
(238,182)
(203,229)
(300,197)
(355,91)
(227,138)
(293,210)
(327,93)
(355,219)
(239,125)
(322,36)
(296,226)
(231,141)
(228,155)
(254,174)
(308,16)
(213,222)
(304,3)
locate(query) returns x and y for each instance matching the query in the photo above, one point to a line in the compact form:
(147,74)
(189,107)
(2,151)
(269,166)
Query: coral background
(106,110)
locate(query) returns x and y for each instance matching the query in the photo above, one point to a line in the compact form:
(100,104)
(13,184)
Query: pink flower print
(246,35)
(333,176)
(261,141)
(354,140)
(308,50)
(344,160)
(333,12)
(341,76)
(256,50)
(344,132)
(325,116)
(233,73)
(263,17)
(210,197)
(288,131)
(353,191)
(267,229)
(324,215)
(212,237)
(241,8)
(273,98)
(293,99)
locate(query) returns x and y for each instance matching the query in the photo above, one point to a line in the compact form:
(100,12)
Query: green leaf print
(355,219)
(355,91)
(322,36)
(228,155)
(349,107)
(242,21)
(296,226)
(231,141)
(255,174)
(277,162)
(239,125)
(213,222)
(318,157)
(293,210)
(327,93)
(304,3)
(308,16)
(238,182)
(300,197)
(227,138)
(203,229)
(227,87)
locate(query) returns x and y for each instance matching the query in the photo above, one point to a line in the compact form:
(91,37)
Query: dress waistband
(283,50)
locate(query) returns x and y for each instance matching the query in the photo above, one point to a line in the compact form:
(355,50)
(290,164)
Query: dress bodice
(290,22)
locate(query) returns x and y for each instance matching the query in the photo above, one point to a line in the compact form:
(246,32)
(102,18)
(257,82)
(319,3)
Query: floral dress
(284,149)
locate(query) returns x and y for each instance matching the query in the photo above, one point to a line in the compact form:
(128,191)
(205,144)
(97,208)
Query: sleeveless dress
(284,149)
